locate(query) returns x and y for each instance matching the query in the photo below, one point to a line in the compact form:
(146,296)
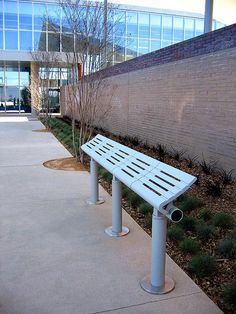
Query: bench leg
(158,283)
(116,230)
(94,192)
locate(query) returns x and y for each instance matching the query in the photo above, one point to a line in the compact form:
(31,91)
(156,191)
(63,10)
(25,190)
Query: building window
(40,17)
(53,42)
(11,40)
(1,39)
(25,16)
(11,15)
(40,41)
(25,40)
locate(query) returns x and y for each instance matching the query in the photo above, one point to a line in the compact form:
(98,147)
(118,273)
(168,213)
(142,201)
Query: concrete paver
(54,254)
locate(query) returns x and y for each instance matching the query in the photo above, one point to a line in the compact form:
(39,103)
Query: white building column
(208,16)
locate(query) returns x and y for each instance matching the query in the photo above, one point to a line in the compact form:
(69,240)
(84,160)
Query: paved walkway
(54,254)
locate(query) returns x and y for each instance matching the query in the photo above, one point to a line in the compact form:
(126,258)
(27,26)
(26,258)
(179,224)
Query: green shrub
(145,208)
(189,245)
(134,199)
(232,234)
(215,187)
(190,203)
(223,220)
(227,248)
(107,176)
(205,214)
(229,293)
(202,265)
(125,191)
(188,223)
(175,233)
(148,221)
(204,231)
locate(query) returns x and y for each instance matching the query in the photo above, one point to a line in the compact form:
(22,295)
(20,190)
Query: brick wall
(188,103)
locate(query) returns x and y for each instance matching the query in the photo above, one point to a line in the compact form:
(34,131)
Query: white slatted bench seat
(156,182)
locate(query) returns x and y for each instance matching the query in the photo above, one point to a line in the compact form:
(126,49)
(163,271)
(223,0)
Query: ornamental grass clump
(205,214)
(175,233)
(227,248)
(189,245)
(188,223)
(145,208)
(190,203)
(229,293)
(202,265)
(134,199)
(204,231)
(223,220)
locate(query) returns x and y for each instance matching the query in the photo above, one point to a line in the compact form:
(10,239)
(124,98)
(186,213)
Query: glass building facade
(40,26)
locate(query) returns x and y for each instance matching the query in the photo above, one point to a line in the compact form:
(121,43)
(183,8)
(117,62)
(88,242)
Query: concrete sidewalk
(54,254)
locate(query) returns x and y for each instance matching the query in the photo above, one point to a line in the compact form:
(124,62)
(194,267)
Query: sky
(224,10)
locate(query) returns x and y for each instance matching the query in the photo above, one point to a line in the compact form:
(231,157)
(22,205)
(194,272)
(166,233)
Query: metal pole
(208,16)
(158,283)
(94,196)
(116,230)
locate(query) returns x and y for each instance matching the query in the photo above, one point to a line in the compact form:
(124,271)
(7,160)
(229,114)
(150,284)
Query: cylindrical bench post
(158,283)
(116,230)
(94,191)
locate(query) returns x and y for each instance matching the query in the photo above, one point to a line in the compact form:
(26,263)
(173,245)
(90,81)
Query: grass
(189,245)
(227,248)
(145,208)
(202,265)
(229,293)
(188,223)
(223,220)
(205,214)
(189,203)
(175,233)
(204,231)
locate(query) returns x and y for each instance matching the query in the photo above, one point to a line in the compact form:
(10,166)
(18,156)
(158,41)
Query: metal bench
(156,182)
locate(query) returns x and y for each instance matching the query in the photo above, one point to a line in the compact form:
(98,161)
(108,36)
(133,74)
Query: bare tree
(91,48)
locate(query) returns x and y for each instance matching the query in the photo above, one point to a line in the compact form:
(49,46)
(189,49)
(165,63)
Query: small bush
(202,265)
(134,199)
(226,177)
(162,152)
(215,187)
(227,248)
(229,293)
(107,176)
(223,220)
(190,203)
(191,161)
(175,233)
(145,208)
(232,234)
(177,154)
(204,231)
(207,167)
(148,221)
(125,191)
(189,246)
(188,223)
(205,214)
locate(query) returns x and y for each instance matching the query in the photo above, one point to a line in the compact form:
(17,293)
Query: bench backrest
(156,182)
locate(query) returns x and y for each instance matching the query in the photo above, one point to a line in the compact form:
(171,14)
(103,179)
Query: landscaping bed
(203,244)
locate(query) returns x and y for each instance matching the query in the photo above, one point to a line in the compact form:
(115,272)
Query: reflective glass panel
(25,15)
(24,75)
(2,79)
(144,26)
(25,40)
(54,17)
(11,19)
(12,75)
(40,41)
(155,26)
(219,25)
(65,24)
(165,43)
(199,27)
(119,23)
(53,42)
(132,24)
(155,45)
(25,99)
(143,46)
(40,15)
(1,39)
(119,49)
(1,15)
(12,98)
(132,48)
(178,24)
(67,42)
(11,40)
(167,27)
(188,28)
